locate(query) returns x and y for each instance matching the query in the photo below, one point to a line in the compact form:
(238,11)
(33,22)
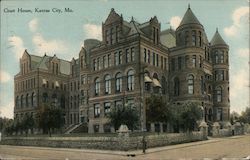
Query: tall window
(200,40)
(132,54)
(118,82)
(200,62)
(157,60)
(105,61)
(118,58)
(97,110)
(153,58)
(94,65)
(98,64)
(145,55)
(193,38)
(165,63)
(33,97)
(219,114)
(45,97)
(21,101)
(97,86)
(111,36)
(131,80)
(222,57)
(27,100)
(190,84)
(194,61)
(109,60)
(176,87)
(218,94)
(107,82)
(149,56)
(186,61)
(127,56)
(107,106)
(17,102)
(162,64)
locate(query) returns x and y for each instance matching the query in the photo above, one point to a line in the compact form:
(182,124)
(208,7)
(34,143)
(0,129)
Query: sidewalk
(135,152)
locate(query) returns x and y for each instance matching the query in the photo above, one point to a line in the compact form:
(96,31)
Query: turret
(219,50)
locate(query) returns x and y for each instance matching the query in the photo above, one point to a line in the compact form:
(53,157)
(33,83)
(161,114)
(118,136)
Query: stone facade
(131,62)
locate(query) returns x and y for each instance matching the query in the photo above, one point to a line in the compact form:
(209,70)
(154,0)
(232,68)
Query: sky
(63,33)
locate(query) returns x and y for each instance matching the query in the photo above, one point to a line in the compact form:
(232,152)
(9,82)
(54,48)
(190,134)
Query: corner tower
(219,50)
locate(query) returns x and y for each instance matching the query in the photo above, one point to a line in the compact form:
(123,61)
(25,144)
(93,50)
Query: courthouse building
(133,61)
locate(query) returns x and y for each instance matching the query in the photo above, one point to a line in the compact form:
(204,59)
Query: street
(215,148)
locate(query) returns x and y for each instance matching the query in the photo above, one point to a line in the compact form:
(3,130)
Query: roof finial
(216,29)
(132,19)
(188,5)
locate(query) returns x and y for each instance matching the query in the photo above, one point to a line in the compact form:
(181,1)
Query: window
(131,81)
(33,98)
(105,62)
(216,57)
(194,61)
(57,68)
(97,110)
(118,103)
(219,114)
(149,56)
(97,86)
(200,40)
(200,62)
(111,36)
(106,108)
(132,54)
(193,38)
(107,81)
(107,38)
(186,61)
(165,63)
(116,58)
(154,59)
(179,63)
(109,60)
(190,84)
(116,33)
(94,65)
(145,55)
(162,64)
(118,82)
(127,56)
(120,57)
(45,97)
(176,87)
(157,60)
(27,100)
(54,99)
(222,57)
(218,94)
(99,64)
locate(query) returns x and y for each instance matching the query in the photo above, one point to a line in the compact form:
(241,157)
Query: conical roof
(217,39)
(189,18)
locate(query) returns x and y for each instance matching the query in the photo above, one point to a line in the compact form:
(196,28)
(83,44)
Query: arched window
(176,87)
(210,114)
(27,100)
(131,80)
(45,97)
(218,94)
(33,98)
(107,82)
(54,99)
(164,85)
(190,84)
(17,102)
(118,82)
(193,38)
(97,86)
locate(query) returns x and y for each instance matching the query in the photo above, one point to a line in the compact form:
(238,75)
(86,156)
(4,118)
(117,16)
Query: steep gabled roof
(217,39)
(189,18)
(112,17)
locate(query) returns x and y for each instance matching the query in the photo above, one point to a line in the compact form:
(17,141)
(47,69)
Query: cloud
(33,25)
(240,18)
(175,21)
(92,31)
(50,46)
(7,110)
(4,77)
(244,53)
(16,46)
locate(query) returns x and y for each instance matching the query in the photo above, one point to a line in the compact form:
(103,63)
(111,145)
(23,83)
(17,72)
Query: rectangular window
(118,103)
(165,63)
(107,37)
(162,65)
(186,61)
(127,56)
(179,63)
(153,58)
(106,108)
(116,58)
(99,64)
(94,65)
(145,55)
(111,36)
(194,61)
(219,114)
(105,62)
(97,110)
(109,60)
(157,60)
(194,38)
(120,57)
(200,62)
(132,54)
(149,56)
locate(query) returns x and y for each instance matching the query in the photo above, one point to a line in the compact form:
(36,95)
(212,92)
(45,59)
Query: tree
(234,117)
(157,110)
(50,117)
(190,114)
(245,116)
(27,123)
(127,114)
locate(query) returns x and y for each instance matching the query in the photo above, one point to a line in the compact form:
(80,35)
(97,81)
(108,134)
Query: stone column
(204,129)
(216,128)
(123,137)
(152,127)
